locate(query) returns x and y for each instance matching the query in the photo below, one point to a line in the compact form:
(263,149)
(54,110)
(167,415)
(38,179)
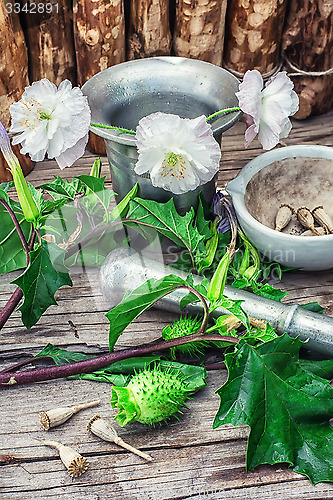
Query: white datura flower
(53,121)
(267,109)
(180,154)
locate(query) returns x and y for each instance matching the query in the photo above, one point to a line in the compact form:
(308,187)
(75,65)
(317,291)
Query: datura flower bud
(28,204)
(75,463)
(57,416)
(151,396)
(101,428)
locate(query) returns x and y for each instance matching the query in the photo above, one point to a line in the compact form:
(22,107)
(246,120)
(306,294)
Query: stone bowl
(298,175)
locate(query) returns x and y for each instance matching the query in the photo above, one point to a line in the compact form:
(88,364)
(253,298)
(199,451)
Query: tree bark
(253,35)
(199,29)
(308,46)
(13,63)
(13,79)
(50,42)
(149,31)
(99,35)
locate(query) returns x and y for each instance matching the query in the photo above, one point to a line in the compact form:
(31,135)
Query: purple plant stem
(92,364)
(10,306)
(18,227)
(215,366)
(24,363)
(18,294)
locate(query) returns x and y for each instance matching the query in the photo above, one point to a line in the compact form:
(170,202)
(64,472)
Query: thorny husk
(151,396)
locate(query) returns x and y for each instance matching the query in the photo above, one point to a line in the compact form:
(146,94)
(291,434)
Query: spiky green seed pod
(151,396)
(181,327)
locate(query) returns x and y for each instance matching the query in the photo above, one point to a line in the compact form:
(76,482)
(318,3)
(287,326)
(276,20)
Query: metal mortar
(124,269)
(123,94)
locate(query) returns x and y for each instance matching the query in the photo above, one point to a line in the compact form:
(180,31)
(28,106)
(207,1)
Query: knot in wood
(92,37)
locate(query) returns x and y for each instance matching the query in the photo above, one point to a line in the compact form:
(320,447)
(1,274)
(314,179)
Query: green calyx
(28,204)
(151,396)
(184,326)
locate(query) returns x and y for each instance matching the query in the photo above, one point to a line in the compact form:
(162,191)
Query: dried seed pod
(283,216)
(75,463)
(101,428)
(58,416)
(323,218)
(319,230)
(305,218)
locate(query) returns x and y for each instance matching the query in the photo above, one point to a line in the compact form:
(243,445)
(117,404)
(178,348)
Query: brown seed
(322,217)
(305,217)
(283,216)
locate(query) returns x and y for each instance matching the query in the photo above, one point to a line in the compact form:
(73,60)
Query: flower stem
(110,127)
(222,111)
(24,363)
(128,131)
(205,307)
(92,364)
(18,227)
(10,306)
(18,294)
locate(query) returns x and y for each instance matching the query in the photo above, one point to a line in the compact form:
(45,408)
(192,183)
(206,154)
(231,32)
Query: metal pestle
(124,269)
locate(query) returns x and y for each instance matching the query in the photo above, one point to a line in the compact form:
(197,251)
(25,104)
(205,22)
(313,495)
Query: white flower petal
(267,136)
(57,145)
(277,100)
(68,157)
(250,134)
(285,128)
(249,95)
(180,154)
(53,121)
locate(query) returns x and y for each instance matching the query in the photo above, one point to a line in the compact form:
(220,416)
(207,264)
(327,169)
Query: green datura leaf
(286,407)
(262,289)
(164,218)
(63,188)
(61,356)
(39,282)
(322,368)
(137,301)
(313,307)
(97,188)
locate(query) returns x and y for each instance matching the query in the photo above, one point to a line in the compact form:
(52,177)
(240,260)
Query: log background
(79,38)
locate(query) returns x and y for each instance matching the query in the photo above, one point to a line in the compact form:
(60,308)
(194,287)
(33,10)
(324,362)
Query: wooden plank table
(191,460)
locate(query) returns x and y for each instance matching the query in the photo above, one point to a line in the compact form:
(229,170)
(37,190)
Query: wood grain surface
(190,459)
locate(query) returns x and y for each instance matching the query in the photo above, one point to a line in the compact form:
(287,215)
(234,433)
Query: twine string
(301,72)
(265,76)
(296,71)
